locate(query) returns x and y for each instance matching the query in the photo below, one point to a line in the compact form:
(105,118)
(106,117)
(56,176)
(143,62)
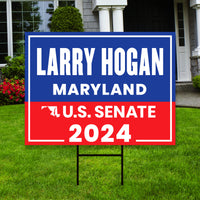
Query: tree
(66,19)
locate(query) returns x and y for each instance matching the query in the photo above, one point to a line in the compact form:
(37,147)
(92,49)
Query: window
(24,16)
(3,32)
(64,3)
(29,16)
(181,24)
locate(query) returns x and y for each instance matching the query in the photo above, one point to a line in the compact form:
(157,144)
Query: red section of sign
(100,123)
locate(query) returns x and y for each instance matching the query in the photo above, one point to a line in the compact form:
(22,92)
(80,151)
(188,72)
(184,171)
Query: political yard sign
(100,89)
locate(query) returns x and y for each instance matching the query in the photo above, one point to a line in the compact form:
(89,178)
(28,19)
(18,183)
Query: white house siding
(90,18)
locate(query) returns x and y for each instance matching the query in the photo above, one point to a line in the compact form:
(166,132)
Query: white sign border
(97,36)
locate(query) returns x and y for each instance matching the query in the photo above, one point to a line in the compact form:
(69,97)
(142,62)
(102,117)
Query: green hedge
(15,68)
(196,81)
(66,19)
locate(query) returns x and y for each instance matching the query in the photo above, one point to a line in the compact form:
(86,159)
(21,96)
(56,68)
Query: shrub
(12,91)
(196,81)
(66,19)
(15,67)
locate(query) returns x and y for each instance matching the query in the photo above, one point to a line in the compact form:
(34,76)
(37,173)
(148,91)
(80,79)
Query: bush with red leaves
(12,91)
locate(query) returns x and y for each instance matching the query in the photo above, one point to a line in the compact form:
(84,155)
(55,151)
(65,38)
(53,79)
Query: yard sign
(100,89)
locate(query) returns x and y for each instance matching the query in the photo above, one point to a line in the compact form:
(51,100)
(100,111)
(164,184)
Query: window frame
(78,5)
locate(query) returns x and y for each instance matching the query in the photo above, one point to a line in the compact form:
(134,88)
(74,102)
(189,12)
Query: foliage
(15,67)
(66,19)
(196,81)
(12,91)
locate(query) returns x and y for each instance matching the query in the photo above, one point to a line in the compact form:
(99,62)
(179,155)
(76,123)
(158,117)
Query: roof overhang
(194,3)
(109,3)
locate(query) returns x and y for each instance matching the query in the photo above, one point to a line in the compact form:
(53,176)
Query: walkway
(187,96)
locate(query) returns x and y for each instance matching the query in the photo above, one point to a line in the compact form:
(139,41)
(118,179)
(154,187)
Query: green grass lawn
(49,172)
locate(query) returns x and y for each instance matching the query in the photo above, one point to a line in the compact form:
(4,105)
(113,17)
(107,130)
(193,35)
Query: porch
(180,16)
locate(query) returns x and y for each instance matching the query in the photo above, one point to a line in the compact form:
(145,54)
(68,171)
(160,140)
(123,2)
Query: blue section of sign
(39,88)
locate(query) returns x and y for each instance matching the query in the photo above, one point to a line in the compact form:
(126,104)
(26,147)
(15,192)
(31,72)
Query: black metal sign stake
(77,173)
(120,155)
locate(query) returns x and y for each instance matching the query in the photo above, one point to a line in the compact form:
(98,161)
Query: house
(181,16)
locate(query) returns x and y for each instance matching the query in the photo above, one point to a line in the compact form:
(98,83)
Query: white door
(182,40)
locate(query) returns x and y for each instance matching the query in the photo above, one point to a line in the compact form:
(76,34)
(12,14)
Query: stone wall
(90,18)
(195,60)
(195,65)
(193,29)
